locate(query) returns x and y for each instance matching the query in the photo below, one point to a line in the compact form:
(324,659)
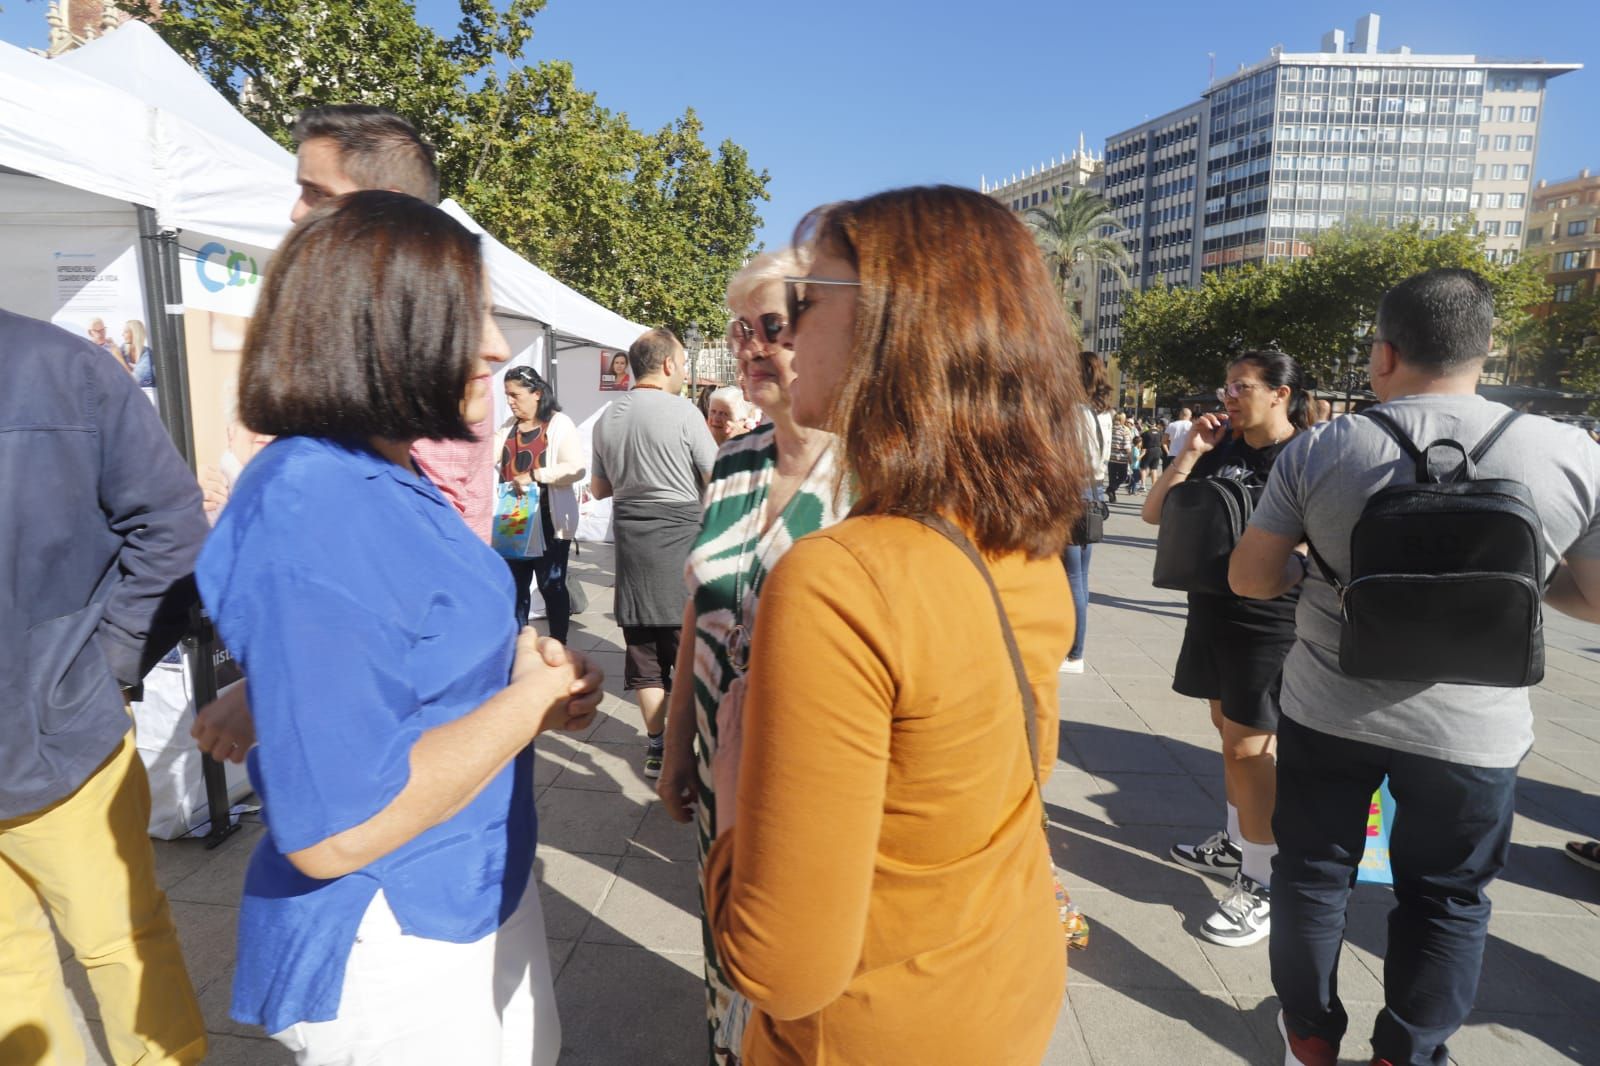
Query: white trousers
(413,1002)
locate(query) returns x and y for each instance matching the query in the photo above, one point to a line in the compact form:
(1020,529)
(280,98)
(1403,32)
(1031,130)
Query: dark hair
(368,324)
(533,381)
(1095,384)
(651,351)
(1277,370)
(377,149)
(1439,320)
(953,398)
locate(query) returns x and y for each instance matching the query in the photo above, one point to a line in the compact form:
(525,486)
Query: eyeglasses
(1236,389)
(794,295)
(772,326)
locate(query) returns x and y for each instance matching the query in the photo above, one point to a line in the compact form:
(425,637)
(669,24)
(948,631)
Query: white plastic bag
(161,731)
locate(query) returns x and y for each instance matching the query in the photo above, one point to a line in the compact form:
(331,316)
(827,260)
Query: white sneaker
(1244,916)
(1072,666)
(1216,854)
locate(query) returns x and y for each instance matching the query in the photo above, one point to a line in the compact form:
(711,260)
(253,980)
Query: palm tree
(1079,237)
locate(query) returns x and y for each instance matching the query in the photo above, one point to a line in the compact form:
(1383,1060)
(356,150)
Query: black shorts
(1237,662)
(651,653)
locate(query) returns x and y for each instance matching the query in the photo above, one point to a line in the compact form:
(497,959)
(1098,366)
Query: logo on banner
(219,268)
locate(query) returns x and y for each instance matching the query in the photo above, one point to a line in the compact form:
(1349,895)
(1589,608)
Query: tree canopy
(1079,237)
(1319,309)
(649,223)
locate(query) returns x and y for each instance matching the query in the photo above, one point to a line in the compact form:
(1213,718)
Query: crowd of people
(846,592)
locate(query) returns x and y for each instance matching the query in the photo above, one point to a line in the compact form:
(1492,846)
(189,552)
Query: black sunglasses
(794,295)
(772,325)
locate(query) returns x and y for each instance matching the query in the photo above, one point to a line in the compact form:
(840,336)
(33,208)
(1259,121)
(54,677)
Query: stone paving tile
(571,886)
(653,904)
(622,1005)
(1166,1026)
(579,820)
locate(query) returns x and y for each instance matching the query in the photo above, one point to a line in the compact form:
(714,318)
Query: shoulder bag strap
(1493,435)
(1030,704)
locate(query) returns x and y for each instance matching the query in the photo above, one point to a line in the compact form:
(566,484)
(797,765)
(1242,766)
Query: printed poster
(615,376)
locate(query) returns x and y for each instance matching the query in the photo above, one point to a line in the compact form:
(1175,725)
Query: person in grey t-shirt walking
(653,453)
(1450,751)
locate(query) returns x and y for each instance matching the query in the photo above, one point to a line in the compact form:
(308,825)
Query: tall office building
(1304,142)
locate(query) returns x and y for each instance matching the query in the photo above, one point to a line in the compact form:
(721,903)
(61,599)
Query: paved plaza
(1138,771)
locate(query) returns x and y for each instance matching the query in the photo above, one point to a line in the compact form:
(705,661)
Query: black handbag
(1446,577)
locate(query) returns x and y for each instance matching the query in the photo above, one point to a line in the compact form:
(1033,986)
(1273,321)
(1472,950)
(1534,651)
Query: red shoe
(1306,1050)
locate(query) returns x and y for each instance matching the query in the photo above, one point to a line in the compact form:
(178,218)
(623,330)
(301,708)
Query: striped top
(733,556)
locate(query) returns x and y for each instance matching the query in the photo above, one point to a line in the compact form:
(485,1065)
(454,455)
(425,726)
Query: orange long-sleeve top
(885,893)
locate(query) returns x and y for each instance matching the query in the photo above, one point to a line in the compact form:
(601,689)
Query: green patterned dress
(729,563)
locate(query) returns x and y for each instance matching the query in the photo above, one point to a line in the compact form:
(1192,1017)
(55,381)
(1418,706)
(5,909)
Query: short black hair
(651,351)
(377,149)
(368,324)
(1439,320)
(533,381)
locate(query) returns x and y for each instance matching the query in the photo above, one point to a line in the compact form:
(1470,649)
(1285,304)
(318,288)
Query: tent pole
(163,291)
(163,300)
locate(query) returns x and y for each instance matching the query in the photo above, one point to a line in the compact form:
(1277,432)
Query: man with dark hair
(349,147)
(653,452)
(95,587)
(1449,751)
(345,148)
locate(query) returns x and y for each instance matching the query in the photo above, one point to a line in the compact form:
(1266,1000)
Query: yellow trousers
(87,859)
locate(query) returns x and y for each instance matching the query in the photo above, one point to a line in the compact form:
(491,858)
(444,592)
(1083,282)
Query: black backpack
(1446,577)
(1201,522)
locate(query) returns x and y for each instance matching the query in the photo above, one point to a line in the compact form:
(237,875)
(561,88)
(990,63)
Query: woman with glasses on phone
(769,488)
(1233,648)
(880,887)
(538,446)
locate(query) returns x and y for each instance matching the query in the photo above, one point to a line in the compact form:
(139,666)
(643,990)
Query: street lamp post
(693,340)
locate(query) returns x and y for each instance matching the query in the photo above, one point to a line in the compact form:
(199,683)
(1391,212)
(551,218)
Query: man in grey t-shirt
(1450,752)
(653,453)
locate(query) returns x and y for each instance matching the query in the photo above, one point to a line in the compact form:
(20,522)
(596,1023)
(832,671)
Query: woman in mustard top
(880,889)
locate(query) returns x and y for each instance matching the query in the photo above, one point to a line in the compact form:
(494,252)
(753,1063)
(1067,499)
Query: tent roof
(137,61)
(126,117)
(520,286)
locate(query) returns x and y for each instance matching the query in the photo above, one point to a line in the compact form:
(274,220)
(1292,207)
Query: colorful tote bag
(1374,868)
(518,532)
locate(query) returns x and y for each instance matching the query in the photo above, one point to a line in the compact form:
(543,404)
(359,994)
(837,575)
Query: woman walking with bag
(1233,648)
(768,489)
(539,446)
(1121,455)
(1095,418)
(883,848)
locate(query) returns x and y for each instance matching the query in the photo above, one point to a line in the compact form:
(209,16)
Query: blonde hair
(134,326)
(766,268)
(740,408)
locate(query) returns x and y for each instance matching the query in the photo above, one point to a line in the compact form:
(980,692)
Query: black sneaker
(1244,916)
(1216,854)
(652,762)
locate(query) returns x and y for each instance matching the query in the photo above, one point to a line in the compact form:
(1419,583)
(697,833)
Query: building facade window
(1529,114)
(1502,143)
(1517,200)
(1520,171)
(1525,143)
(1578,228)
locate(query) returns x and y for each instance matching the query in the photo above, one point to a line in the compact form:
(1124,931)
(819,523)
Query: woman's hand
(676,786)
(1207,433)
(564,688)
(224,729)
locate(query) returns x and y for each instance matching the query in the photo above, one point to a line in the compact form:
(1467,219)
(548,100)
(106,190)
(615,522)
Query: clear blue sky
(837,98)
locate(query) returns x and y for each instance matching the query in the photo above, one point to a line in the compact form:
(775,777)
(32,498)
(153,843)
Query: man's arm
(1265,565)
(153,503)
(1575,589)
(599,487)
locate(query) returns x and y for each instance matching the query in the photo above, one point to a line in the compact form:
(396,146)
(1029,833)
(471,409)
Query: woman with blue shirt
(387,914)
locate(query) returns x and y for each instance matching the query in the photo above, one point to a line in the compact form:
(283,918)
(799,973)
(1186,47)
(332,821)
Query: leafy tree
(1320,309)
(651,224)
(1567,344)
(1080,237)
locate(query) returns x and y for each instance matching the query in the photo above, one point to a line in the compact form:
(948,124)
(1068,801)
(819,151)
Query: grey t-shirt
(653,447)
(1319,486)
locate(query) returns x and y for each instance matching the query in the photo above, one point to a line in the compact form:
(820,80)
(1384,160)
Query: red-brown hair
(964,387)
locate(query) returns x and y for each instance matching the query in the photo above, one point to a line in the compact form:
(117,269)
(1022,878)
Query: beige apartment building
(1564,231)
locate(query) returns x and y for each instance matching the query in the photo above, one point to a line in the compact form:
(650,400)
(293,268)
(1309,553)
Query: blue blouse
(364,612)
